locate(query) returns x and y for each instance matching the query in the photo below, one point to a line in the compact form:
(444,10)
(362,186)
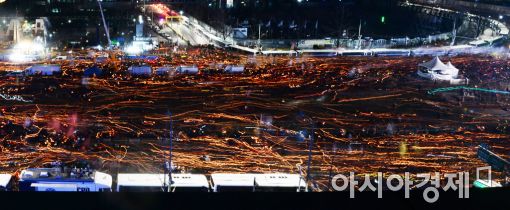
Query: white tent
(434,65)
(452,69)
(437,70)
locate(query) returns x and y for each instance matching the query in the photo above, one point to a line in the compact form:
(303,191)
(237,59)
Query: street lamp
(334,150)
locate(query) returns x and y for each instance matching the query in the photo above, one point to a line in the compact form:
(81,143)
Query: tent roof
(451,69)
(450,65)
(435,64)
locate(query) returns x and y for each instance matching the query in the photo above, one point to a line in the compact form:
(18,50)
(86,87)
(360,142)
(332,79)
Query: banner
(240,33)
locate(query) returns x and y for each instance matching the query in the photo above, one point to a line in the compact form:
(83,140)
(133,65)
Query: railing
(500,28)
(401,42)
(446,89)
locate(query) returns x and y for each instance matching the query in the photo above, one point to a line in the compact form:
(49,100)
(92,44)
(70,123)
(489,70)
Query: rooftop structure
(292,182)
(189,180)
(149,182)
(159,182)
(233,182)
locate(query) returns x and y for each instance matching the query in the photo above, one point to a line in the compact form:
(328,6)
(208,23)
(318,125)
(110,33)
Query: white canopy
(452,69)
(437,70)
(435,65)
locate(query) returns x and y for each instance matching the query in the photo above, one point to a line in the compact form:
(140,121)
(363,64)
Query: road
(381,120)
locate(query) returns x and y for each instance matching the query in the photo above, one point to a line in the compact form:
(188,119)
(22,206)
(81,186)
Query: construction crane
(104,24)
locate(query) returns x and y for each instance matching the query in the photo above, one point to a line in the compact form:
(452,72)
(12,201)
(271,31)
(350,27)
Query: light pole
(104,24)
(258,41)
(335,149)
(359,35)
(169,164)
(310,147)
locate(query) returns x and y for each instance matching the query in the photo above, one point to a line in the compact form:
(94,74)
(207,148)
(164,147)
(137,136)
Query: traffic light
(383,19)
